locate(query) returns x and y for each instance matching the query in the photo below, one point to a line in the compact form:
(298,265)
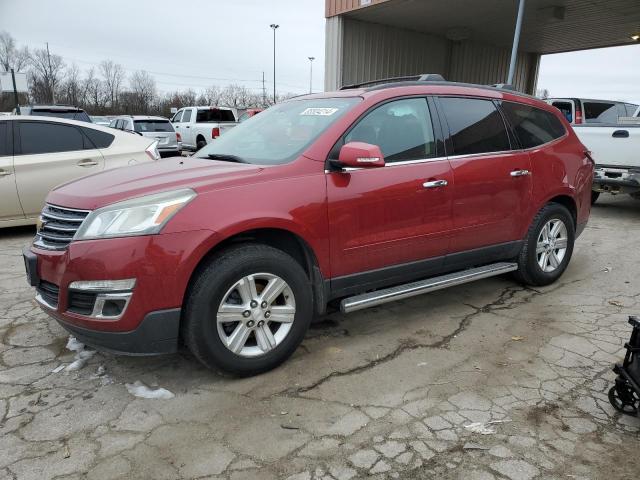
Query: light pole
(274,27)
(311,59)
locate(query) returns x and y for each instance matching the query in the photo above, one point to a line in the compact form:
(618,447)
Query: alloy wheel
(256,314)
(551,246)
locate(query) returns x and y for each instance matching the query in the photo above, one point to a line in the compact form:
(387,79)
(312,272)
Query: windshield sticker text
(319,111)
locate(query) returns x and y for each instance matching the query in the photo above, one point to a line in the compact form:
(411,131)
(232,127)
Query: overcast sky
(199,42)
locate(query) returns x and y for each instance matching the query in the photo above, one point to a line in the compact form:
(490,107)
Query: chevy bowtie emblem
(39,224)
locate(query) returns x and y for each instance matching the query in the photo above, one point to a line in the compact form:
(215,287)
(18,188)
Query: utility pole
(50,79)
(264,92)
(15,91)
(274,26)
(311,59)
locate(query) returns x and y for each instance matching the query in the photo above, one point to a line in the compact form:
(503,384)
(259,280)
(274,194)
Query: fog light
(103,285)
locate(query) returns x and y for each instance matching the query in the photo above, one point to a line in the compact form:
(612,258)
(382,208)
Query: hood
(110,186)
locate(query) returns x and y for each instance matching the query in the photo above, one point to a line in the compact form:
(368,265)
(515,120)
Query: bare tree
(46,74)
(10,55)
(142,91)
(72,88)
(93,92)
(113,78)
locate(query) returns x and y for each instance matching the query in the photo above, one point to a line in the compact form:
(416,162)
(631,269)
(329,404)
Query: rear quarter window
(533,126)
(600,112)
(215,115)
(475,126)
(97,138)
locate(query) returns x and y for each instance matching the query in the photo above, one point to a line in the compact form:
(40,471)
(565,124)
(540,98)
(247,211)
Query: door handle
(621,134)
(435,184)
(87,163)
(187,126)
(520,173)
(4,173)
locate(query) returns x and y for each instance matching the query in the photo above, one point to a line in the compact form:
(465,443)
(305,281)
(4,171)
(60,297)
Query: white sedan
(39,153)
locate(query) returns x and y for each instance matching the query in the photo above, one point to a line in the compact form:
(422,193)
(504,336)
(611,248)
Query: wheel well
(570,204)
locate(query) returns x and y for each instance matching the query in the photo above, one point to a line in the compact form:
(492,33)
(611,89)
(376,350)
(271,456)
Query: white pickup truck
(198,126)
(616,151)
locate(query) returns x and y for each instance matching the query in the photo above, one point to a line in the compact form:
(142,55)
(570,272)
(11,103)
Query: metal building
(465,40)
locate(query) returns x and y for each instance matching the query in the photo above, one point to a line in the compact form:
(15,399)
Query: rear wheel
(200,143)
(248,310)
(594,197)
(548,246)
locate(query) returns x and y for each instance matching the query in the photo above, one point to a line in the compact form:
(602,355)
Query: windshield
(152,126)
(280,133)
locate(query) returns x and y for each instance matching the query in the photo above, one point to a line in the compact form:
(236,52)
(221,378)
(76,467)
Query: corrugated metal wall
(374,51)
(359,51)
(485,64)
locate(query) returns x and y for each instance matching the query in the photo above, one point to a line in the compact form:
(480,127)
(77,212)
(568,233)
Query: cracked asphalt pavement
(389,392)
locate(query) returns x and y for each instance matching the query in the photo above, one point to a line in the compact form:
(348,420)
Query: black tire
(199,328)
(200,143)
(529,271)
(594,197)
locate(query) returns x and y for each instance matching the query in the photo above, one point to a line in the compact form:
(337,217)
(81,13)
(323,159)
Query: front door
(493,181)
(397,214)
(10,208)
(50,153)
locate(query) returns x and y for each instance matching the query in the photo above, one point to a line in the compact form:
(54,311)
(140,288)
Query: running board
(378,297)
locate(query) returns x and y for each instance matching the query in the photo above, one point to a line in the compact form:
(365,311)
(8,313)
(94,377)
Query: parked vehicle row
(39,153)
(158,128)
(361,196)
(198,126)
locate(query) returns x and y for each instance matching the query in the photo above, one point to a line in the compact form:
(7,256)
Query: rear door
(492,180)
(47,155)
(383,217)
(10,208)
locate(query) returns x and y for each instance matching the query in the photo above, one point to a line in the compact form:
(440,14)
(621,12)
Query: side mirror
(360,155)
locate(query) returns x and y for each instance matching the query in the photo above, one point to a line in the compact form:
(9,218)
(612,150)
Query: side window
(476,126)
(186,116)
(97,138)
(532,126)
(4,144)
(176,118)
(402,129)
(566,108)
(42,137)
(600,112)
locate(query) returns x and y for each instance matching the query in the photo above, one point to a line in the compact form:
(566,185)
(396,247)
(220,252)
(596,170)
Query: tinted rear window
(4,144)
(69,114)
(215,115)
(532,126)
(476,126)
(97,138)
(152,126)
(600,112)
(42,137)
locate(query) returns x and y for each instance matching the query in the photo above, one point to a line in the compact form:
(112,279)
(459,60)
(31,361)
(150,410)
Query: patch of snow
(74,345)
(59,368)
(82,356)
(139,389)
(482,428)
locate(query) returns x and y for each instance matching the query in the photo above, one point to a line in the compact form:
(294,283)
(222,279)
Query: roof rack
(425,77)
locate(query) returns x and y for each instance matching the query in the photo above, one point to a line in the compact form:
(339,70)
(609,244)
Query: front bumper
(161,266)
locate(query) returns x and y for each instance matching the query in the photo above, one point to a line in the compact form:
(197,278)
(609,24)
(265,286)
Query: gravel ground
(384,393)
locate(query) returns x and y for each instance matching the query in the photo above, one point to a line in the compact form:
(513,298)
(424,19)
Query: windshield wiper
(225,157)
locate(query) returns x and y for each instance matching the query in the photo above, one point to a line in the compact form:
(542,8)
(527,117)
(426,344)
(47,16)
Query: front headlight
(138,216)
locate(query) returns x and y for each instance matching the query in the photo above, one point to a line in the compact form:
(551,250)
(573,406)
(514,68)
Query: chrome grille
(58,225)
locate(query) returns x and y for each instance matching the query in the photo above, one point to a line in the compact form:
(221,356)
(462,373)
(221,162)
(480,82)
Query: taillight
(587,154)
(578,116)
(152,151)
(215,132)
(178,137)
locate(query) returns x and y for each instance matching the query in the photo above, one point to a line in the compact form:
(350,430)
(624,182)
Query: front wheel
(548,246)
(248,310)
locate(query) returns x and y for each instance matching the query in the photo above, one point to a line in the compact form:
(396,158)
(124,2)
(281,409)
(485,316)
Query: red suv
(361,196)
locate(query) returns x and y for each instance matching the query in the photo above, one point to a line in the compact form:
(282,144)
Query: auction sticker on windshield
(319,111)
